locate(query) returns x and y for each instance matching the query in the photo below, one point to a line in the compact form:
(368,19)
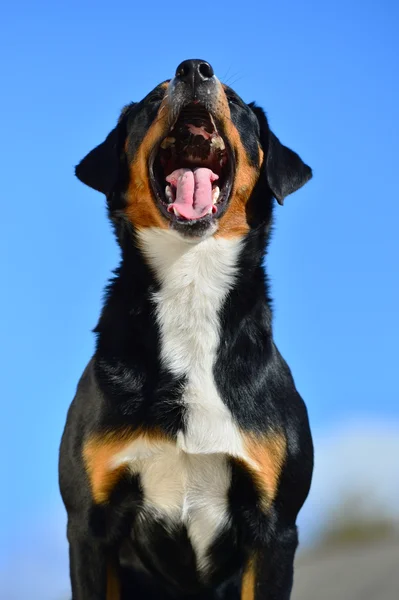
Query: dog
(187,453)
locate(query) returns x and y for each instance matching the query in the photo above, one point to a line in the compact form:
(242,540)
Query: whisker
(236,80)
(226,73)
(232,76)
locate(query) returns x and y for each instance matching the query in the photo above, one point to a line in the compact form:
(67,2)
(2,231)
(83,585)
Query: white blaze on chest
(190,480)
(195,279)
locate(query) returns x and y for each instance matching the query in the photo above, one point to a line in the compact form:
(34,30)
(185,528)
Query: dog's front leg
(93,576)
(269,571)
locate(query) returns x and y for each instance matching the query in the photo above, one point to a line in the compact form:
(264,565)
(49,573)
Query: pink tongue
(193,192)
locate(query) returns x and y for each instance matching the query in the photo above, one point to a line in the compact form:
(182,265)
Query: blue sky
(326,73)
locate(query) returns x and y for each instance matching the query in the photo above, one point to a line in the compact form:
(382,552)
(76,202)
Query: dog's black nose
(194,71)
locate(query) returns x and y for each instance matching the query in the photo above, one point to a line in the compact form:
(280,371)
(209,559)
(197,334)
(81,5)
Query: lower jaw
(196,229)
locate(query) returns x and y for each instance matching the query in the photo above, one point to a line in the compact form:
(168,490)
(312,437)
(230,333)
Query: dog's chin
(195,230)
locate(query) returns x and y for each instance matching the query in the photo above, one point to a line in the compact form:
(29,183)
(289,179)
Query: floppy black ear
(285,170)
(99,169)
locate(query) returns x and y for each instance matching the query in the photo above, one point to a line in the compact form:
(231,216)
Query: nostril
(183,71)
(206,70)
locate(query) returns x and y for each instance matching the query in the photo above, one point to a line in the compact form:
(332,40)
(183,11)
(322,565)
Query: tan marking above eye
(267,454)
(98,454)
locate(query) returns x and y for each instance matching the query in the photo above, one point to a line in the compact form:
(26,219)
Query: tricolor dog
(187,453)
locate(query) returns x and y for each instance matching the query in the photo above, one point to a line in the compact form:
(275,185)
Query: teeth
(169,193)
(167,142)
(217,143)
(172,208)
(215,194)
(213,123)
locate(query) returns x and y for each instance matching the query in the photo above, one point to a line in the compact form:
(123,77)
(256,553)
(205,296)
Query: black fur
(125,384)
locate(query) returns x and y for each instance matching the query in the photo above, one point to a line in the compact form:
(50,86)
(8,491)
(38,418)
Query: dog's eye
(234,101)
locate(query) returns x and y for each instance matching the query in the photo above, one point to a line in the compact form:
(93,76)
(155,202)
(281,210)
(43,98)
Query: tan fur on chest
(107,456)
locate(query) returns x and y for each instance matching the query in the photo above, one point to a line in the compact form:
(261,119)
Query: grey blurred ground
(349,573)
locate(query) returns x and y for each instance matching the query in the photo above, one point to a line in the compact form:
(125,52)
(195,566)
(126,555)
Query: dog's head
(192,156)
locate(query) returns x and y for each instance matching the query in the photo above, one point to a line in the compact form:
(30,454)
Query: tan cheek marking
(141,209)
(268,455)
(234,221)
(113,584)
(98,452)
(248,581)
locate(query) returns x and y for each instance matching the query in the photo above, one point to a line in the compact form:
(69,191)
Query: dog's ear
(285,170)
(101,168)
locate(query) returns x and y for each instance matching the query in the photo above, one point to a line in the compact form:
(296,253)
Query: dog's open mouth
(191,171)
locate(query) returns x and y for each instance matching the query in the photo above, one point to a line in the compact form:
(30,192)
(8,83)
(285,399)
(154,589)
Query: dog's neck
(179,262)
(222,277)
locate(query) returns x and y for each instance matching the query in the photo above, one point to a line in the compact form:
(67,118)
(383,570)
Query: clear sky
(327,75)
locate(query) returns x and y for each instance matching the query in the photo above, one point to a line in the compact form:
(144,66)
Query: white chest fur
(189,480)
(195,279)
(182,488)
